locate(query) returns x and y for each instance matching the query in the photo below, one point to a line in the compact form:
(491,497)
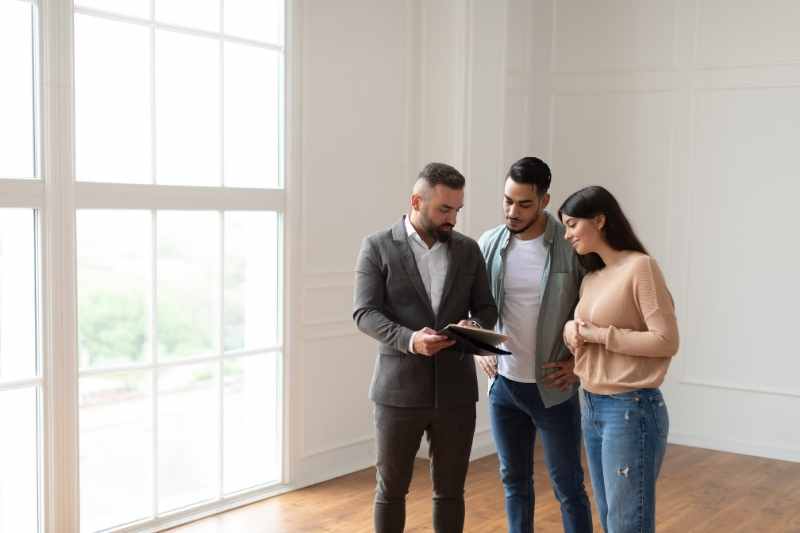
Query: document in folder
(476,341)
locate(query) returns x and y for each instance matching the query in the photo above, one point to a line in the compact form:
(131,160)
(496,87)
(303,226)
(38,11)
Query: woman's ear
(599,222)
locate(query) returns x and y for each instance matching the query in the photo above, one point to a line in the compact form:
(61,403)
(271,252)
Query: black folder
(475,341)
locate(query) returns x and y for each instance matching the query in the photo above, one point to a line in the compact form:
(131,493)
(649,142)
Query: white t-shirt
(522,297)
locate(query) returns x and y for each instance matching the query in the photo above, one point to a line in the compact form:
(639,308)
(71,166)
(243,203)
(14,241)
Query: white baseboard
(334,463)
(733,446)
(351,458)
(482,444)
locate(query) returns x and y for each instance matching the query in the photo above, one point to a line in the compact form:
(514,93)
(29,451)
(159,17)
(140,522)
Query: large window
(21,377)
(178,350)
(141,223)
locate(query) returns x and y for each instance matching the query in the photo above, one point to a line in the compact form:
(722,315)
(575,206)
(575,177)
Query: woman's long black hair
(617,231)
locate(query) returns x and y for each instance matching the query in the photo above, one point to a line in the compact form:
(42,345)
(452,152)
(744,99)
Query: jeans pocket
(658,409)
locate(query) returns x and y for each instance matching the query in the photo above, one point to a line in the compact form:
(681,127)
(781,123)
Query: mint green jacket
(562,280)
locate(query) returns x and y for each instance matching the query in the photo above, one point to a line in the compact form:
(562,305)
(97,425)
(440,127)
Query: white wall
(689,111)
(380,88)
(349,165)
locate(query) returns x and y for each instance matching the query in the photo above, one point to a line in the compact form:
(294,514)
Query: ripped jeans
(625,437)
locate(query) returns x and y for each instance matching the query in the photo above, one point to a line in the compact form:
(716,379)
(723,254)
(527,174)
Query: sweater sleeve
(657,309)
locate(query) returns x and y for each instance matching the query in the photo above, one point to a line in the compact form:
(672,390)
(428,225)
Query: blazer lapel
(454,261)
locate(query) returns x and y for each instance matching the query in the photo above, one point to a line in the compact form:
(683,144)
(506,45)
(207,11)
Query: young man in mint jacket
(535,278)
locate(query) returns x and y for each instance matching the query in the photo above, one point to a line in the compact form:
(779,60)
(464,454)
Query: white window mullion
(221,93)
(117,369)
(154,352)
(99,13)
(221,315)
(21,193)
(153,129)
(221,363)
(19,384)
(185,198)
(36,83)
(154,257)
(60,391)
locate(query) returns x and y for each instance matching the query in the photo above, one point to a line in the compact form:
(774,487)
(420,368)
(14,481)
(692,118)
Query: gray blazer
(390,303)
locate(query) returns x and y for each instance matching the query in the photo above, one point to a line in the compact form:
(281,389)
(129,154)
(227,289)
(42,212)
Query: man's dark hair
(442,174)
(533,171)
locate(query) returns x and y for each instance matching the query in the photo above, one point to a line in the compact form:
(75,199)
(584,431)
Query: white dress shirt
(432,264)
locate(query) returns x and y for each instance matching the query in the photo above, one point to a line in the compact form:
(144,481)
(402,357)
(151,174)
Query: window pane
(133,8)
(255,19)
(18,336)
(188,283)
(16,90)
(252,448)
(18,461)
(199,14)
(252,116)
(188,435)
(116,449)
(251,280)
(114,287)
(187,109)
(112,101)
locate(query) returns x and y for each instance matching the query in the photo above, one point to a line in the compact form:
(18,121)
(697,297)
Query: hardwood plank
(699,491)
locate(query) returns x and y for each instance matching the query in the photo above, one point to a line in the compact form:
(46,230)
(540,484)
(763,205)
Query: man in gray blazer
(412,280)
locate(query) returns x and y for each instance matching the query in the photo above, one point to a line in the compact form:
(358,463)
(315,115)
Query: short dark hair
(533,171)
(595,200)
(442,174)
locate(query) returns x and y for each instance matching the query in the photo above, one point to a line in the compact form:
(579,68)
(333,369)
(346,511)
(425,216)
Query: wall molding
(329,280)
(737,387)
(554,50)
(756,449)
(482,445)
(338,446)
(329,329)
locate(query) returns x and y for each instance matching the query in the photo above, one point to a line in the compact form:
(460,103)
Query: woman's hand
(590,332)
(571,337)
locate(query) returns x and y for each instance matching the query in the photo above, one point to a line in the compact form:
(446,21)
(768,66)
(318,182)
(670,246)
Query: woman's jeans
(626,437)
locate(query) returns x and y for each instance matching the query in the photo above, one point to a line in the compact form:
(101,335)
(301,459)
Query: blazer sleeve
(368,301)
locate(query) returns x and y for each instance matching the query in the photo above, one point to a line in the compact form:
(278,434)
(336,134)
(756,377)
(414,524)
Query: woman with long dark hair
(623,338)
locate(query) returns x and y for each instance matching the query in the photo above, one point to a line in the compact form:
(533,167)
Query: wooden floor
(699,491)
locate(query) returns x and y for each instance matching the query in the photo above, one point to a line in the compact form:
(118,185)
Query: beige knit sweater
(631,300)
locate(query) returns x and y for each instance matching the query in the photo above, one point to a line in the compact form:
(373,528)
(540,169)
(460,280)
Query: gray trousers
(399,431)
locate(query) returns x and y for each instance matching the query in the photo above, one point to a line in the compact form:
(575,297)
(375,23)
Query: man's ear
(416,201)
(545,200)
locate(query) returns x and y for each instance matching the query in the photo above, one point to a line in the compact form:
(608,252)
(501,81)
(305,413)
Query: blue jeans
(626,437)
(517,412)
